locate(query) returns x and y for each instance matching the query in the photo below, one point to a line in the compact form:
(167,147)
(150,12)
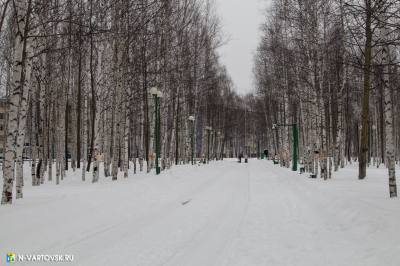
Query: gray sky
(241,20)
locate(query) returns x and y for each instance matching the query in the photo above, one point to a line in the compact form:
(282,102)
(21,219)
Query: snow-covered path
(221,214)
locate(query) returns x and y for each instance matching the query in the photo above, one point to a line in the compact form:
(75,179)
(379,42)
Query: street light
(154,91)
(208,129)
(218,144)
(192,119)
(157,95)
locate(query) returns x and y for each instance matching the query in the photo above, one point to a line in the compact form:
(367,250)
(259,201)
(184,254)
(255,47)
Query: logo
(10,257)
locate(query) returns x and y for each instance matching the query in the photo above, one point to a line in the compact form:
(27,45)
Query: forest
(78,77)
(332,67)
(127,84)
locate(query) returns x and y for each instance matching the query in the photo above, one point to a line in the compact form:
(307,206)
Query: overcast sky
(241,20)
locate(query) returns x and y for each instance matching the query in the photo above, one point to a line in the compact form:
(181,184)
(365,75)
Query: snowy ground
(222,214)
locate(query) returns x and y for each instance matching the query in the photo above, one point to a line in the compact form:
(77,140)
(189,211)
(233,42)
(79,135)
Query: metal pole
(208,146)
(295,145)
(192,143)
(212,145)
(158,169)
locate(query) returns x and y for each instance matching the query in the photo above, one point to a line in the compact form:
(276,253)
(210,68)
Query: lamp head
(154,91)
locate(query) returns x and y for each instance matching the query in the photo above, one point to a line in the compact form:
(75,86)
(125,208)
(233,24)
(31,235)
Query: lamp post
(295,130)
(157,95)
(208,129)
(192,119)
(212,144)
(217,146)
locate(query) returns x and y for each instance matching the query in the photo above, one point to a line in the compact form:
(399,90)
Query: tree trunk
(363,152)
(388,110)
(19,87)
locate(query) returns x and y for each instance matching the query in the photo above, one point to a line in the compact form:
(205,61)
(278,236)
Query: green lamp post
(192,119)
(208,129)
(217,145)
(157,95)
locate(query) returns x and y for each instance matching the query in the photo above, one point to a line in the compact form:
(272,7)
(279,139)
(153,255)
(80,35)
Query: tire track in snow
(141,222)
(213,241)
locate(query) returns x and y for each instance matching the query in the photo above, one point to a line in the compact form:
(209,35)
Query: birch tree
(18,98)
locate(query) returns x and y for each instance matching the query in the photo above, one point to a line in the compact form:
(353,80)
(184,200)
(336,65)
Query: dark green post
(212,144)
(157,133)
(157,94)
(192,144)
(295,129)
(208,145)
(258,150)
(192,120)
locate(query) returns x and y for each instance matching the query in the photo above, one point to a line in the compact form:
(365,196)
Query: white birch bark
(22,126)
(117,112)
(116,144)
(41,135)
(58,148)
(73,149)
(338,157)
(388,112)
(171,148)
(152,115)
(107,143)
(51,140)
(33,166)
(141,140)
(85,123)
(17,90)
(126,142)
(164,140)
(45,133)
(97,154)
